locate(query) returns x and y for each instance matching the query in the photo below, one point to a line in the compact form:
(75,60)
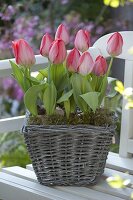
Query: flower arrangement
(67,133)
(70,81)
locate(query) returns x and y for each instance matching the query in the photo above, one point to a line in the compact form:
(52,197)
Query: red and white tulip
(57,52)
(82,40)
(86,63)
(62,34)
(72,60)
(115,44)
(100,66)
(45,45)
(23,53)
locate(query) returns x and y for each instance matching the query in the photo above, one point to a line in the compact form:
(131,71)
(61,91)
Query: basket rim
(66,127)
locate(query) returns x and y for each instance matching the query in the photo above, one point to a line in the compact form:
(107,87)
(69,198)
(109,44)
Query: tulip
(82,40)
(72,60)
(45,45)
(114,44)
(85,63)
(100,66)
(23,53)
(57,52)
(62,34)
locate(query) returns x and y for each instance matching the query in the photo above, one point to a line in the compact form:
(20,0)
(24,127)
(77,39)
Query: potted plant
(67,130)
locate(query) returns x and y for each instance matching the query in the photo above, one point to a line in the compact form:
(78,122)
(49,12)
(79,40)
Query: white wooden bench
(19,183)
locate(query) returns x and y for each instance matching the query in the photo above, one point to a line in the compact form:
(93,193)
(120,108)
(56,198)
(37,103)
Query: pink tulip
(57,52)
(72,60)
(82,40)
(45,45)
(23,53)
(100,66)
(85,63)
(114,44)
(62,34)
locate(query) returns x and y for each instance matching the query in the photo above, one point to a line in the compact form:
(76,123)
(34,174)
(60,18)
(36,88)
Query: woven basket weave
(68,155)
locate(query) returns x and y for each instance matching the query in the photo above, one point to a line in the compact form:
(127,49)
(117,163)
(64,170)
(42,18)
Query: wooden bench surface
(17,183)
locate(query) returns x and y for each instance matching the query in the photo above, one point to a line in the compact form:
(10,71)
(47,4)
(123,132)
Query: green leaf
(102,89)
(67,108)
(80,85)
(91,98)
(18,75)
(49,98)
(112,103)
(44,72)
(30,98)
(112,84)
(65,96)
(33,80)
(57,73)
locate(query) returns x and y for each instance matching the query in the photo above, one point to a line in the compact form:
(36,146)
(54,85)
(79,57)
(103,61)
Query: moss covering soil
(101,117)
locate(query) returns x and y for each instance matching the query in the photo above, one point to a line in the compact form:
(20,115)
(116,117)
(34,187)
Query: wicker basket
(68,155)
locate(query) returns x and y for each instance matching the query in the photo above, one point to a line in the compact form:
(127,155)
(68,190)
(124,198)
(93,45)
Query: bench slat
(94,191)
(48,192)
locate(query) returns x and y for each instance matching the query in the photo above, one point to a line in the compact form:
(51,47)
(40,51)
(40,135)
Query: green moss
(100,118)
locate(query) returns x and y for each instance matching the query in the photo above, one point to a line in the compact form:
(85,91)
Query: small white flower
(128,92)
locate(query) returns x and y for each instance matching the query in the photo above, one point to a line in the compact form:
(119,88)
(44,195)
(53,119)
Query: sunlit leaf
(30,98)
(91,98)
(49,98)
(65,96)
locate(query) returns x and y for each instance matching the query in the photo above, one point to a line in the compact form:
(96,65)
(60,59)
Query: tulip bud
(72,60)
(23,53)
(62,34)
(45,45)
(57,52)
(85,63)
(114,44)
(82,40)
(100,66)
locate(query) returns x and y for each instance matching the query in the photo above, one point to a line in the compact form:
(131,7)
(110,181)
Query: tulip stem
(110,65)
(49,72)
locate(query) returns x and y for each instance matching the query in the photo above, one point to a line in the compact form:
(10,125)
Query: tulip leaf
(30,97)
(33,80)
(18,74)
(57,73)
(67,108)
(49,98)
(80,86)
(43,72)
(65,96)
(112,103)
(111,84)
(103,88)
(91,98)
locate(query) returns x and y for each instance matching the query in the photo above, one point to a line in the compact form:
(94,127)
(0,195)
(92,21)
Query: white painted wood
(81,191)
(127,115)
(11,124)
(130,146)
(5,68)
(35,188)
(102,186)
(14,191)
(119,163)
(20,172)
(101,44)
